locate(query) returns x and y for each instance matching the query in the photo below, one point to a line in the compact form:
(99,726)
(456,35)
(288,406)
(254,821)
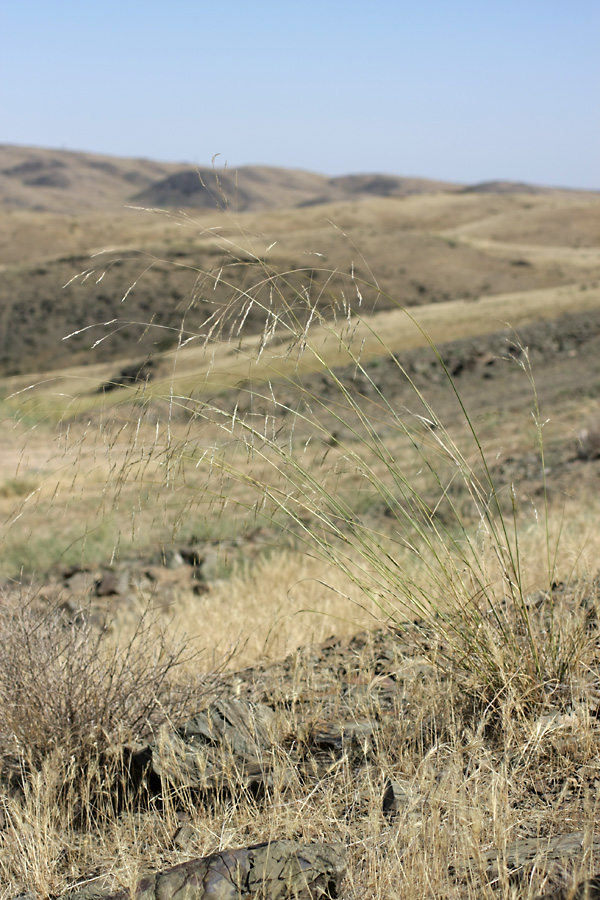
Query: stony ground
(374,743)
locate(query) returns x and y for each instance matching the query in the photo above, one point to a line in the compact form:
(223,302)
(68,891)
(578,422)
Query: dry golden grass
(468,792)
(480,781)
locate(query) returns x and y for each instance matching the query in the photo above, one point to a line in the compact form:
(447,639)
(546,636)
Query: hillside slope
(253,188)
(62,181)
(146,275)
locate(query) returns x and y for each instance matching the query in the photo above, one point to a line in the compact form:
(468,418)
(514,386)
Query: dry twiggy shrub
(67,687)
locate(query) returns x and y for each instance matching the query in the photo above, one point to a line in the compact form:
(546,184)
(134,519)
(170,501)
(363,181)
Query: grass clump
(316,452)
(18,487)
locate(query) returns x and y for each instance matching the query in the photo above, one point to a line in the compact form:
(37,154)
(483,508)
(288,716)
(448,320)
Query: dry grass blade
(452,552)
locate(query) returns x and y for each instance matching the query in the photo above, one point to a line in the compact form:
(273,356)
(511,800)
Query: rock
(395,798)
(336,737)
(272,871)
(169,557)
(522,854)
(231,736)
(136,373)
(184,836)
(585,890)
(93,889)
(588,441)
(81,581)
(193,555)
(111,583)
(243,726)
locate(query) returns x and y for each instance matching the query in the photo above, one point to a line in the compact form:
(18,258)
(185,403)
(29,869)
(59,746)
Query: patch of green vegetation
(19,487)
(40,550)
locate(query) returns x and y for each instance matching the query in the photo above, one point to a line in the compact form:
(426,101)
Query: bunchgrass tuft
(314,458)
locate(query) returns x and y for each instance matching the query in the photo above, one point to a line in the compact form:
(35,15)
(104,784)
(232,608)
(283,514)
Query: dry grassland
(460,544)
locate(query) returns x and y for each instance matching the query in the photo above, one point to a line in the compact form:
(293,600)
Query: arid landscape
(300,495)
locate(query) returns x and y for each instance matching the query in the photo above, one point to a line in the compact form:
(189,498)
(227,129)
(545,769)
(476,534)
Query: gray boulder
(281,870)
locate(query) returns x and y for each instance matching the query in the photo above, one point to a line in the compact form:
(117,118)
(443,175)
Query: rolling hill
(72,182)
(74,261)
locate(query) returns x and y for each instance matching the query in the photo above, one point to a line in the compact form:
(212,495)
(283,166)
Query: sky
(464,91)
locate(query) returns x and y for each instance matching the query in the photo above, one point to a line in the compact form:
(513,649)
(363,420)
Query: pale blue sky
(461,90)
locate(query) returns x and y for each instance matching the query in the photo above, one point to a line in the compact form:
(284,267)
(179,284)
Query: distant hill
(65,181)
(254,188)
(45,180)
(402,240)
(505,187)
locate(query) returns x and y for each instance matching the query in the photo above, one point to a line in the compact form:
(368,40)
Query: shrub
(67,688)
